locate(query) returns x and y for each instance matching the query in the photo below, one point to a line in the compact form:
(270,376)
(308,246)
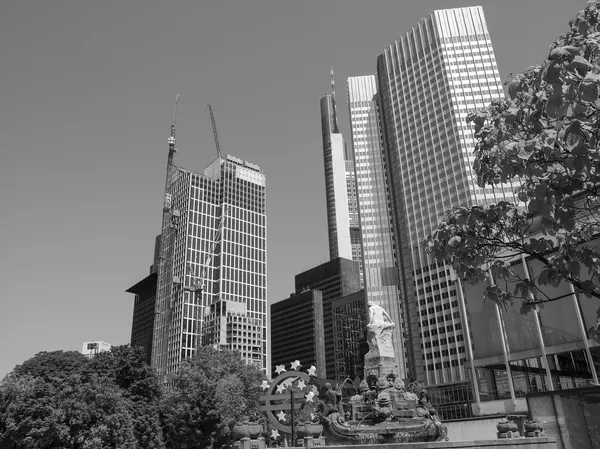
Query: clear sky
(87,90)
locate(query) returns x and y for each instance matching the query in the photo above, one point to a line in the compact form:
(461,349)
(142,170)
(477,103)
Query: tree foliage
(545,138)
(62,399)
(208,394)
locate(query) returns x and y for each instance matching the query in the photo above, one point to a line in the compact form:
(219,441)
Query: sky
(87,92)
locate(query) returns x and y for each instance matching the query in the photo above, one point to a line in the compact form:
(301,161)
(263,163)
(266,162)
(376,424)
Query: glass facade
(428,81)
(216,230)
(380,266)
(340,188)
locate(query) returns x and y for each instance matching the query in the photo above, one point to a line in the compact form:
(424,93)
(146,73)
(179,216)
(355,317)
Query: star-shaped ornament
(275,433)
(264,385)
(301,384)
(312,370)
(280,388)
(280,369)
(309,396)
(296,364)
(281,415)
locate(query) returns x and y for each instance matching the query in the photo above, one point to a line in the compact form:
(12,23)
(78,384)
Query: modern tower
(428,80)
(208,282)
(216,235)
(380,254)
(340,184)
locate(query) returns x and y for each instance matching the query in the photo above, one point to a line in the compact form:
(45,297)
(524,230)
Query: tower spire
(332,83)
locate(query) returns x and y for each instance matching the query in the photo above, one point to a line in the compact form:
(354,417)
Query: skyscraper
(210,267)
(340,185)
(428,80)
(380,254)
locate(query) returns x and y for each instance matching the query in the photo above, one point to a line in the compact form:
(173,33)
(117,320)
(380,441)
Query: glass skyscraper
(428,80)
(340,187)
(220,213)
(380,257)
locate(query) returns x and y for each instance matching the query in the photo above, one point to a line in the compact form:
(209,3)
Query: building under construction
(210,267)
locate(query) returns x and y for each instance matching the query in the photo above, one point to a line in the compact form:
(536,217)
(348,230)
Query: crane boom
(215,132)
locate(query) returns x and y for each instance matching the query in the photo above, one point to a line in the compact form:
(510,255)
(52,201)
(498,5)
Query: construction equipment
(165,272)
(215,132)
(200,282)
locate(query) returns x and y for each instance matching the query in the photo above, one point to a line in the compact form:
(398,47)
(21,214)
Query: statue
(378,316)
(381,357)
(424,407)
(333,401)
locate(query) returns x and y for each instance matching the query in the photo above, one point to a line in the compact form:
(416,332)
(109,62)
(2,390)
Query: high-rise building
(340,185)
(214,237)
(380,253)
(428,80)
(297,331)
(335,279)
(349,317)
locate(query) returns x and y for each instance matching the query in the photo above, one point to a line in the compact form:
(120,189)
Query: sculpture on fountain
(383,410)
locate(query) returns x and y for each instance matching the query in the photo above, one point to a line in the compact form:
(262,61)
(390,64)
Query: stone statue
(378,316)
(379,334)
(333,401)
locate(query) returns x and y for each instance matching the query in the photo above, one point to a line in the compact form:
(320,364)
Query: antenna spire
(332,82)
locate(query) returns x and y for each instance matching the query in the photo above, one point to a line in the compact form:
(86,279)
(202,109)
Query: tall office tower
(335,279)
(214,233)
(340,185)
(297,331)
(380,256)
(428,80)
(349,317)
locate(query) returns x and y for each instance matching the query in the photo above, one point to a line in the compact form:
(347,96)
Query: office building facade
(335,279)
(340,188)
(428,80)
(297,331)
(349,317)
(381,275)
(214,234)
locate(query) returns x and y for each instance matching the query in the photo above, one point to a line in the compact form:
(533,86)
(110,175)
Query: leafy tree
(545,136)
(126,367)
(208,394)
(65,413)
(51,365)
(63,399)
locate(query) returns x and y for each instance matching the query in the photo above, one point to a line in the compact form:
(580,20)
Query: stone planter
(246,430)
(506,426)
(314,430)
(533,426)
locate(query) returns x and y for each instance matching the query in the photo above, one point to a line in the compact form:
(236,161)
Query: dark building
(349,335)
(335,279)
(297,331)
(142,327)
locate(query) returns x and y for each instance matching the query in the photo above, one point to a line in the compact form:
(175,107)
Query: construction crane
(215,132)
(165,275)
(200,282)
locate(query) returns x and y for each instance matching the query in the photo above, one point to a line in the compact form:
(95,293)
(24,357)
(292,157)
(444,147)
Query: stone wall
(518,443)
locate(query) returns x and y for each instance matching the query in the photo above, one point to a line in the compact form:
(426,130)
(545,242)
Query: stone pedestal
(509,434)
(314,442)
(380,360)
(247,443)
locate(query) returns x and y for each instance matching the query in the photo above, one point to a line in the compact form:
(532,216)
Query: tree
(65,413)
(545,136)
(126,367)
(208,394)
(63,399)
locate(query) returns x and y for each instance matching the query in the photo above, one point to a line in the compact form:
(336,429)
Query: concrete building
(297,331)
(382,281)
(91,348)
(340,185)
(335,279)
(428,80)
(214,234)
